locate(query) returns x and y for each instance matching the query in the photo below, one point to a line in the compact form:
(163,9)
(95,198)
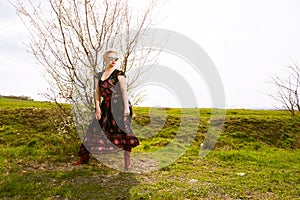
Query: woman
(110,130)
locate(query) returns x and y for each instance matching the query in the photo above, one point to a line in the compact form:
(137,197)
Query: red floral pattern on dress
(113,132)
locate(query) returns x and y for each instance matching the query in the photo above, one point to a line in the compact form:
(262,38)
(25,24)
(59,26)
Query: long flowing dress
(113,131)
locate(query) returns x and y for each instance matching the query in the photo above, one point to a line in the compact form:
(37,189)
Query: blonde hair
(109,51)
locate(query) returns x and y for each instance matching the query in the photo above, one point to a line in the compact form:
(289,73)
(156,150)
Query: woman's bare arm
(123,87)
(97,100)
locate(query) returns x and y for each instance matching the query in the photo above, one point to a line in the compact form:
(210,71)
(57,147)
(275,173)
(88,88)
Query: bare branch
(288,89)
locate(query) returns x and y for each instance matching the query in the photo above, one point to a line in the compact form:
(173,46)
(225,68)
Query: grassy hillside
(256,157)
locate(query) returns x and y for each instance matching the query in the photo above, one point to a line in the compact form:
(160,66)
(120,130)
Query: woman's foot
(83,160)
(127,168)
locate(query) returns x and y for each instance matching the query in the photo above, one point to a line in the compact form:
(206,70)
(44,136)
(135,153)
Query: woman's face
(111,59)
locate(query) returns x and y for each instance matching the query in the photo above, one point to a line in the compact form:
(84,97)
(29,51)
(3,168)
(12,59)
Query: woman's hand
(98,114)
(126,111)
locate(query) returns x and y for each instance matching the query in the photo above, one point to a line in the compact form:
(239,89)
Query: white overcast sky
(248,41)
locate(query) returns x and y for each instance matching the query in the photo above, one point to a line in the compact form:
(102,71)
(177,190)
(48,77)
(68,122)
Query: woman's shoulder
(98,75)
(120,73)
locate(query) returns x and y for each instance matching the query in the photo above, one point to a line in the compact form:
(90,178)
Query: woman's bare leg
(127,158)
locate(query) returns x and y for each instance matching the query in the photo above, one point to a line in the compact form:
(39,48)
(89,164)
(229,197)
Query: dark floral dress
(112,132)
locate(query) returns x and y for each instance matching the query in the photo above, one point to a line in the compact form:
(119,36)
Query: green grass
(256,157)
(8,103)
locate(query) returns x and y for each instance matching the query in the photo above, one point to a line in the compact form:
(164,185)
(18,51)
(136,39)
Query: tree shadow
(105,183)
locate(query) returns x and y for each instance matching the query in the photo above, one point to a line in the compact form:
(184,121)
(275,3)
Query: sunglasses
(112,58)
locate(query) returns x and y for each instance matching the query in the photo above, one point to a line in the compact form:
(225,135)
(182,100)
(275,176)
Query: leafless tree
(288,89)
(68,38)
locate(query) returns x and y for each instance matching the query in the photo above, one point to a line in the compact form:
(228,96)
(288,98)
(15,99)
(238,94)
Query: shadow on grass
(112,186)
(84,182)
